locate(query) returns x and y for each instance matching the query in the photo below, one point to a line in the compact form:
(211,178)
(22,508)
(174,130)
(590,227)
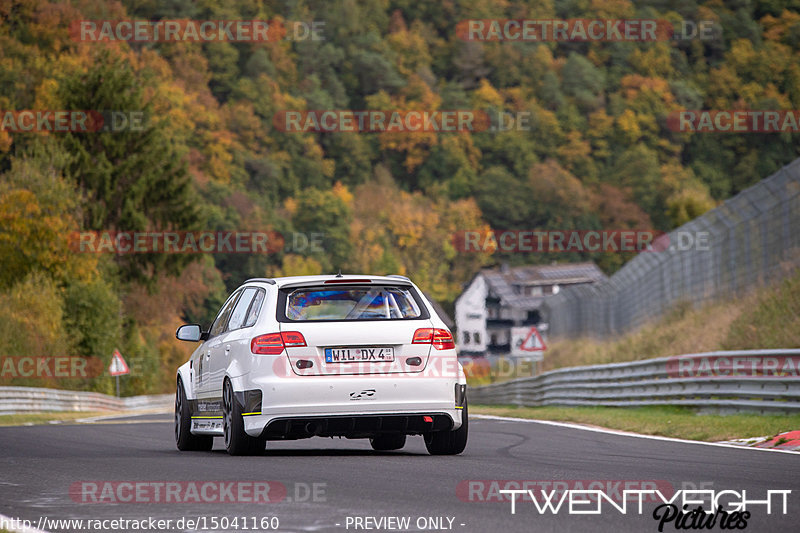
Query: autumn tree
(132,180)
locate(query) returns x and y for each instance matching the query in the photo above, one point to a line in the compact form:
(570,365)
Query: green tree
(637,168)
(583,81)
(501,208)
(324,212)
(131,180)
(93,316)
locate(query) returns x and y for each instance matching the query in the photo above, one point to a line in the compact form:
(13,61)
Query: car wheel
(183,424)
(237,442)
(385,443)
(449,442)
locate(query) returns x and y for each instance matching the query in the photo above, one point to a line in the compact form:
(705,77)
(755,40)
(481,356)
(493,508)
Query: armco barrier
(32,400)
(653,382)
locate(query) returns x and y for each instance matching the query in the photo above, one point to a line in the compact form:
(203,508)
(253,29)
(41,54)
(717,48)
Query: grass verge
(766,317)
(667,421)
(45,418)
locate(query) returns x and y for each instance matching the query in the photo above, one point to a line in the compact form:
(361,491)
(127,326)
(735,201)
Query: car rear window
(352,303)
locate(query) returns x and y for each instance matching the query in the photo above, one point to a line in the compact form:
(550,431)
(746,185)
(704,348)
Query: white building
(497,299)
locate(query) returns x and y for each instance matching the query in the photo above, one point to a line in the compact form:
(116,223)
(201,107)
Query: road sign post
(527,344)
(118,367)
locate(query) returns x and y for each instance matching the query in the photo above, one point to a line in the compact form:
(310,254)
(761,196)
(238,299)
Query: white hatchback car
(298,357)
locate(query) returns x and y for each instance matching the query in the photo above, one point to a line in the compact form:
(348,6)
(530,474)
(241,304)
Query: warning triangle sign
(533,342)
(118,365)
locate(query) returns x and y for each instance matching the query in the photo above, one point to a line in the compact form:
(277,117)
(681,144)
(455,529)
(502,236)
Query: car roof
(297,281)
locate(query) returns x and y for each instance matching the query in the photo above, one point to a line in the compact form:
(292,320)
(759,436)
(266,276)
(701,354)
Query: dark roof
(502,280)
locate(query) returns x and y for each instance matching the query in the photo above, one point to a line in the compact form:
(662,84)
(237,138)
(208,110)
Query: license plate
(363,354)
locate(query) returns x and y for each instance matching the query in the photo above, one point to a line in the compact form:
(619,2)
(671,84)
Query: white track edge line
(100,418)
(628,433)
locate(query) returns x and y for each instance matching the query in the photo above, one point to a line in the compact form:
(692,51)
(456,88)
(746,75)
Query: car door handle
(227,348)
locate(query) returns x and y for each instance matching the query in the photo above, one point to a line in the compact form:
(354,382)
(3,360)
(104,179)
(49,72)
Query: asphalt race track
(335,485)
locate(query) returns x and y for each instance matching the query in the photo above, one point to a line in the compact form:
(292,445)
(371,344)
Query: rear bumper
(356,426)
(350,406)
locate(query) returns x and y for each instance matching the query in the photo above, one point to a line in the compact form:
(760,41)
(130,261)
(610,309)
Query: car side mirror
(190,332)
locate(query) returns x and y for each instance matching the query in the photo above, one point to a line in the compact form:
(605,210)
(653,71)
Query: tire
(237,442)
(449,442)
(183,424)
(385,443)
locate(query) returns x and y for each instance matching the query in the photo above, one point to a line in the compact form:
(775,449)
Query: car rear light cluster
(441,339)
(293,339)
(274,343)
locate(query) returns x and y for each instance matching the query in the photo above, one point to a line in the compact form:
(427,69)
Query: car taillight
(423,336)
(269,344)
(441,339)
(293,339)
(274,343)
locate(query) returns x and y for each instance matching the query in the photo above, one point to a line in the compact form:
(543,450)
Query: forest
(208,154)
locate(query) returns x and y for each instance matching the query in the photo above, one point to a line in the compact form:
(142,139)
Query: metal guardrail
(654,382)
(638,383)
(15,400)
